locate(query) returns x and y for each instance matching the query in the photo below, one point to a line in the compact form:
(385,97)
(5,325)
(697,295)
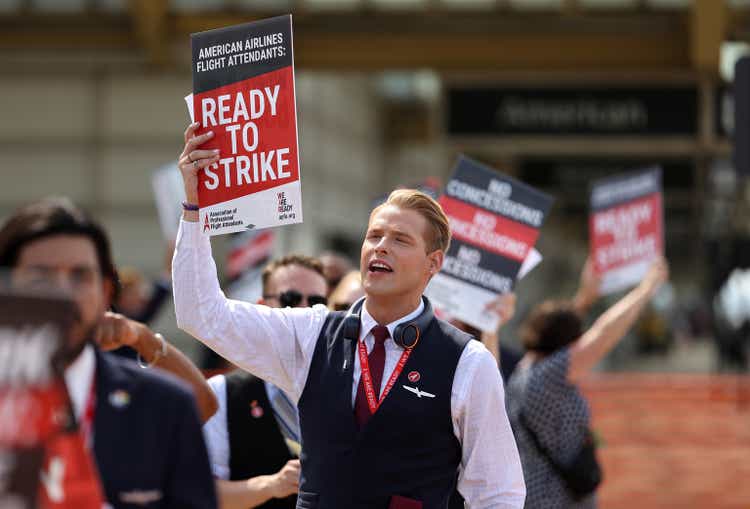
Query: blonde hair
(438,234)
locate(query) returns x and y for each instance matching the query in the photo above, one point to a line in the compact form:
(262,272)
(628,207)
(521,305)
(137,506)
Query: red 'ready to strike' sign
(255,127)
(243,92)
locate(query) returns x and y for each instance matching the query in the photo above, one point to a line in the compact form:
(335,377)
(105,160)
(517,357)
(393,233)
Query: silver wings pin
(419,393)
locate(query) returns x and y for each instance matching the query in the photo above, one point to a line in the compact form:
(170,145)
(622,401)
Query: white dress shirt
(278,345)
(215,430)
(79,376)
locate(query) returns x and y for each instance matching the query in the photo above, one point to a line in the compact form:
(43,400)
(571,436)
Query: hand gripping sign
(243,91)
(495,222)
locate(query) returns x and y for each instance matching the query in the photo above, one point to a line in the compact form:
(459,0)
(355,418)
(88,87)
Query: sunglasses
(293,298)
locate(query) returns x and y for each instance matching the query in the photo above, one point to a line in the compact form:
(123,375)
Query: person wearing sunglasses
(295,299)
(253,439)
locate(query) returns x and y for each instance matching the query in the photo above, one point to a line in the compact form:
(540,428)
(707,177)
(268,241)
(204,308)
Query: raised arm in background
(611,326)
(588,289)
(504,306)
(116,331)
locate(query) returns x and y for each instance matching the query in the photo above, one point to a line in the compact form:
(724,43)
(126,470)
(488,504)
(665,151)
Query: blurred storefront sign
(611,111)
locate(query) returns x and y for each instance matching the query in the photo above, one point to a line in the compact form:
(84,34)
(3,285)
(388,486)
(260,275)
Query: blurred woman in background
(549,415)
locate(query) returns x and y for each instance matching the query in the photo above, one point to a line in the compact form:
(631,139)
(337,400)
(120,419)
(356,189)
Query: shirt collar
(368,322)
(78,378)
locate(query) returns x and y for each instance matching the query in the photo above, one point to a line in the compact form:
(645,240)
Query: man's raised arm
(274,344)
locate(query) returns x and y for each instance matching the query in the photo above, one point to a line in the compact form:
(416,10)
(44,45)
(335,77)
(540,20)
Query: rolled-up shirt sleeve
(490,476)
(274,344)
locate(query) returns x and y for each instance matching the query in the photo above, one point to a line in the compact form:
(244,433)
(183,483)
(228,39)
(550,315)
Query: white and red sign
(495,222)
(243,91)
(169,195)
(249,250)
(44,461)
(626,228)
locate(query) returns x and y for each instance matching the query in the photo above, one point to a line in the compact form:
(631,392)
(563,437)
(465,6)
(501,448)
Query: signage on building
(609,111)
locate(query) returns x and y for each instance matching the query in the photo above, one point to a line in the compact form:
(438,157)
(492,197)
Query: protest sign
(626,227)
(169,194)
(243,91)
(43,460)
(249,250)
(248,254)
(495,222)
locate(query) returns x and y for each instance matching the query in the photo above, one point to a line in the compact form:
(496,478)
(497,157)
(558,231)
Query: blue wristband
(189,206)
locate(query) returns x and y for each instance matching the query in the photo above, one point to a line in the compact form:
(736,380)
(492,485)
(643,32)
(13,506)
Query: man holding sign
(397,408)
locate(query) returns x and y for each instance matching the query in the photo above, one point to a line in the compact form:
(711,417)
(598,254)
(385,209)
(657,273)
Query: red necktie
(376,361)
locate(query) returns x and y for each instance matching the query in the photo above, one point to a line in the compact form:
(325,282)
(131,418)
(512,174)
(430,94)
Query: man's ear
(435,261)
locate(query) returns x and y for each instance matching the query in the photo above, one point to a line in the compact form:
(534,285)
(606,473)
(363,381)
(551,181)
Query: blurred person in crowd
(731,315)
(348,291)
(550,416)
(335,267)
(53,246)
(397,408)
(250,436)
(140,299)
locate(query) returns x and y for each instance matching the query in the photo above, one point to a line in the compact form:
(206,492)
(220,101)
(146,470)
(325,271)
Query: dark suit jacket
(148,443)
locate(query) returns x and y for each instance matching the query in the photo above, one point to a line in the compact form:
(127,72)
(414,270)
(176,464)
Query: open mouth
(379,267)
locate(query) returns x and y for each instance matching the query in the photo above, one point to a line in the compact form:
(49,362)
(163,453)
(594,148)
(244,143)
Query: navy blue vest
(256,445)
(408,447)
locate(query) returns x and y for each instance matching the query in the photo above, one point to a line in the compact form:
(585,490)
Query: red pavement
(672,441)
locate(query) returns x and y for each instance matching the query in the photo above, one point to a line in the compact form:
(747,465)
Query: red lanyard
(373,403)
(87,419)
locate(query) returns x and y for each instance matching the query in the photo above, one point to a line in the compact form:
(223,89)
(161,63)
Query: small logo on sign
(206,226)
(414,376)
(256,410)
